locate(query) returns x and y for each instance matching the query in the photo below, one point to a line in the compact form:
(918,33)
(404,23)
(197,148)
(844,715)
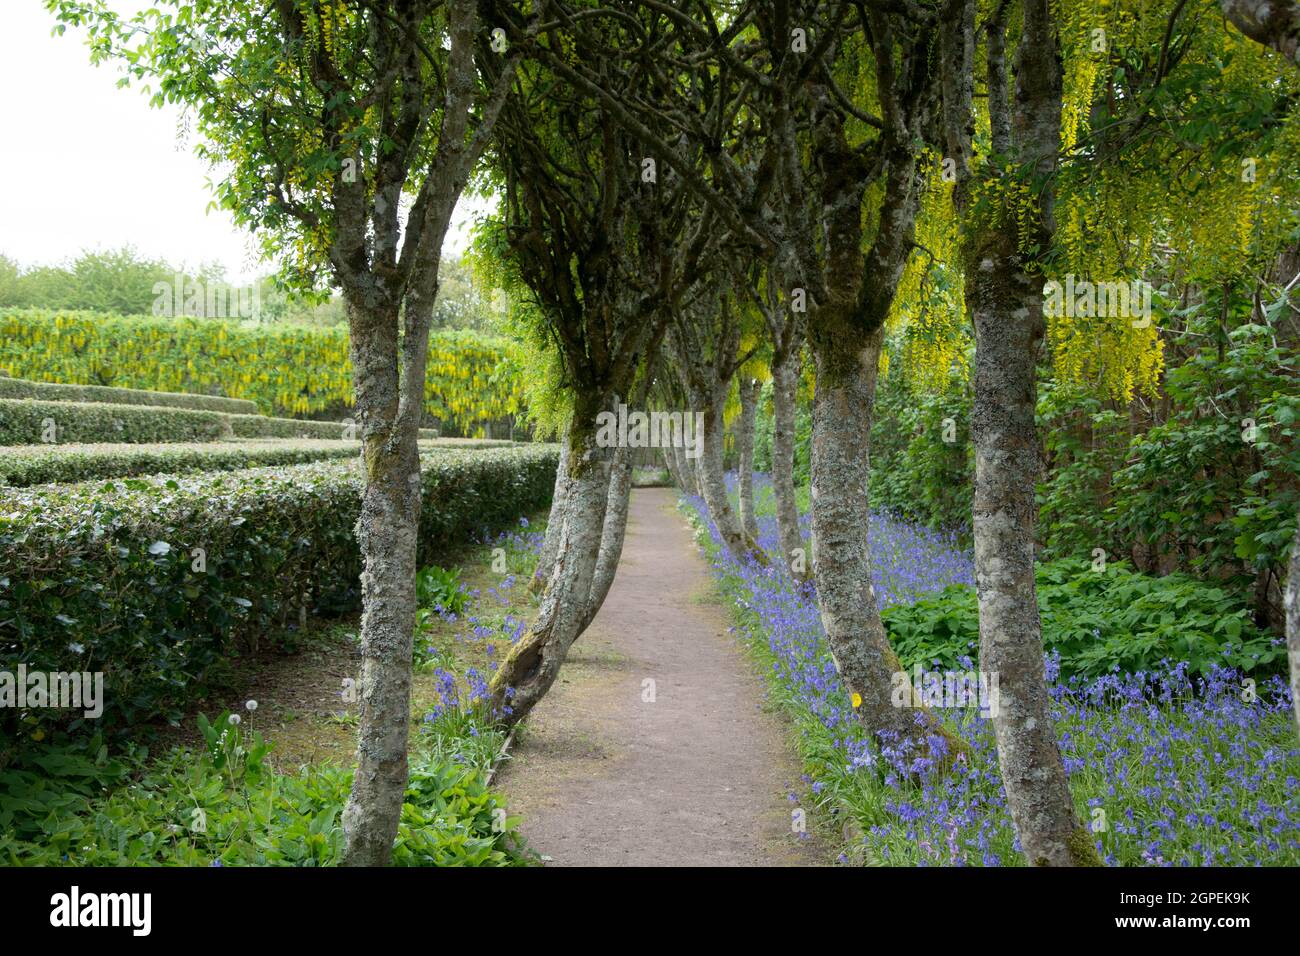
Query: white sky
(86,165)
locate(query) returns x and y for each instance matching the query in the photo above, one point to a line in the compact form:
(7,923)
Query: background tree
(328,115)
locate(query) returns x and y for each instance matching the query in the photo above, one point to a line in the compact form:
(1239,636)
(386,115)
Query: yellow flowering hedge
(285,369)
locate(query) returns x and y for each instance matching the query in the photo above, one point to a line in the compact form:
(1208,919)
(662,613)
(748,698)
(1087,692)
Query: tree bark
(534,661)
(714,486)
(670,462)
(387,532)
(1272,23)
(612,534)
(1292,603)
(1004,294)
(555,522)
(846,598)
(785,379)
(749,391)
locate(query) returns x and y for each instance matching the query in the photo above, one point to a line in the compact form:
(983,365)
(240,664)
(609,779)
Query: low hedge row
(259,426)
(156,582)
(25,421)
(35,465)
(58,392)
(28,465)
(28,422)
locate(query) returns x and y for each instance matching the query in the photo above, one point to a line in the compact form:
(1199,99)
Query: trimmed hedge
(28,465)
(63,463)
(23,422)
(258,426)
(58,392)
(286,369)
(104,577)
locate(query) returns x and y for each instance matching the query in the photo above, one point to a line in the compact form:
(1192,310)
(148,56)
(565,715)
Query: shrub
(58,392)
(286,369)
(257,426)
(67,808)
(26,422)
(34,465)
(156,581)
(1099,622)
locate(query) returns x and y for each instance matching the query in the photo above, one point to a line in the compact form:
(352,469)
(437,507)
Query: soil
(692,769)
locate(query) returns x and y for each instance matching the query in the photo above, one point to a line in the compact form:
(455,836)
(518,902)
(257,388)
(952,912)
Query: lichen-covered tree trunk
(1292,603)
(1008,330)
(613,533)
(714,486)
(1005,300)
(387,534)
(534,661)
(846,598)
(785,377)
(749,391)
(555,522)
(670,462)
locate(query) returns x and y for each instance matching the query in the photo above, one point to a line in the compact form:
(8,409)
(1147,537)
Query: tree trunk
(714,486)
(1005,301)
(1272,23)
(534,661)
(670,462)
(749,392)
(785,379)
(846,598)
(1008,331)
(387,533)
(555,522)
(611,537)
(1292,602)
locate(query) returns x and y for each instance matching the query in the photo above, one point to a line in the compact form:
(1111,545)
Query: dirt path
(698,776)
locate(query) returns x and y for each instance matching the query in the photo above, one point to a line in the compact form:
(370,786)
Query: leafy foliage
(1099,622)
(38,464)
(286,369)
(227,806)
(26,422)
(58,392)
(439,589)
(156,581)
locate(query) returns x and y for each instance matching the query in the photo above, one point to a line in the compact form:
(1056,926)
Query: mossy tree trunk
(555,521)
(1004,286)
(533,663)
(748,390)
(1292,604)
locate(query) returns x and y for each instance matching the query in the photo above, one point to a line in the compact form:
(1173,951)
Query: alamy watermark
(945,689)
(1086,299)
(651,430)
(27,690)
(206,300)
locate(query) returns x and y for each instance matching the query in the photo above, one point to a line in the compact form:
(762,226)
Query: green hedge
(57,392)
(40,464)
(101,577)
(62,463)
(258,426)
(23,422)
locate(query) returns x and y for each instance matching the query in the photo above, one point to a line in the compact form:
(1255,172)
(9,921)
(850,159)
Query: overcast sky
(86,165)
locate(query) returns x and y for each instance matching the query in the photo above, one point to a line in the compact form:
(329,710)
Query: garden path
(603,775)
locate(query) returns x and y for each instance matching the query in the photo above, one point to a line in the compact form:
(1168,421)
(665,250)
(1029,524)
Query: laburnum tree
(343,135)
(1004,293)
(607,245)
